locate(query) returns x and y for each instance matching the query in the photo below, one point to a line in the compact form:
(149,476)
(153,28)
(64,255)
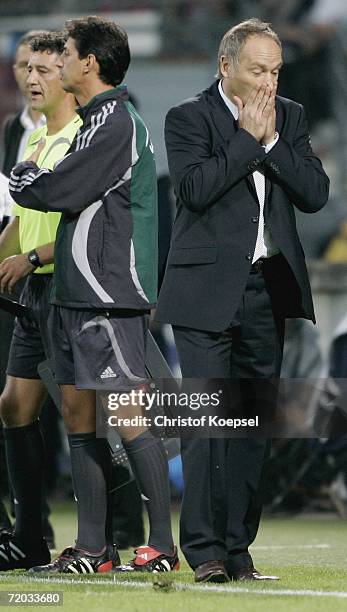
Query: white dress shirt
(265,246)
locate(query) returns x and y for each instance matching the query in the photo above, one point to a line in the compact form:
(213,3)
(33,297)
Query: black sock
(90,463)
(148,461)
(5,522)
(25,457)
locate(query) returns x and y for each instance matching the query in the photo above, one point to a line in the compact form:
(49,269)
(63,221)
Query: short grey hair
(235,38)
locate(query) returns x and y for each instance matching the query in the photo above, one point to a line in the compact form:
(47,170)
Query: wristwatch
(34,259)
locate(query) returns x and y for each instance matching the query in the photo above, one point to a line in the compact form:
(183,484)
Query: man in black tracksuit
(105,286)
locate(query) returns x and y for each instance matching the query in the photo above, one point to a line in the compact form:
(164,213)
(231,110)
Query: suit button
(249,256)
(274,167)
(255,219)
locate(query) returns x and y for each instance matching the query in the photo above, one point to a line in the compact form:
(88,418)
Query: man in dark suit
(16,131)
(18,127)
(240,159)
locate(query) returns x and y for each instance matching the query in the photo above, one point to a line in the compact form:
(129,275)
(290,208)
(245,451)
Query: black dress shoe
(211,571)
(250,573)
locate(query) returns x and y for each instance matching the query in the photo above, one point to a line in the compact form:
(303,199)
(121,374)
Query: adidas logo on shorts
(108,373)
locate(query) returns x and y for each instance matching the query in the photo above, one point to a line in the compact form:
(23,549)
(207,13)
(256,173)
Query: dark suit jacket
(211,162)
(13,132)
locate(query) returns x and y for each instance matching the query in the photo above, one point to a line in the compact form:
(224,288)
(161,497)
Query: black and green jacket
(106,188)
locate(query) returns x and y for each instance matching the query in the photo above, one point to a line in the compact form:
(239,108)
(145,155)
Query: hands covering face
(258,115)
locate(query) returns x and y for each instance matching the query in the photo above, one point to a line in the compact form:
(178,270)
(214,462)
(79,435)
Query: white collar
(28,123)
(231,106)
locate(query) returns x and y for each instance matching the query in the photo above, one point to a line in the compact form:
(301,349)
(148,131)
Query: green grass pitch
(307,553)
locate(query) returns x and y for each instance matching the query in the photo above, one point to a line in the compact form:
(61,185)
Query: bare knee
(72,417)
(21,401)
(78,410)
(13,414)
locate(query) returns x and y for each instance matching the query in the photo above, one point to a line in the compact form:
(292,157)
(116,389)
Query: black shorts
(98,349)
(30,340)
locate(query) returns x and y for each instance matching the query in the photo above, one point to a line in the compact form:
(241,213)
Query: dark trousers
(221,504)
(6,330)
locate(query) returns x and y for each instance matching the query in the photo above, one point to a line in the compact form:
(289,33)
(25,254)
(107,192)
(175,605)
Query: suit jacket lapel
(268,182)
(222,118)
(225,124)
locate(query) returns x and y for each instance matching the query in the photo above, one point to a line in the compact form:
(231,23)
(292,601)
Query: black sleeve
(82,176)
(199,174)
(298,170)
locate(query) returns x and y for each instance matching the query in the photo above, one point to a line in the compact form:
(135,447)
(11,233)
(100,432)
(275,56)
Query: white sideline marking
(285,546)
(180,586)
